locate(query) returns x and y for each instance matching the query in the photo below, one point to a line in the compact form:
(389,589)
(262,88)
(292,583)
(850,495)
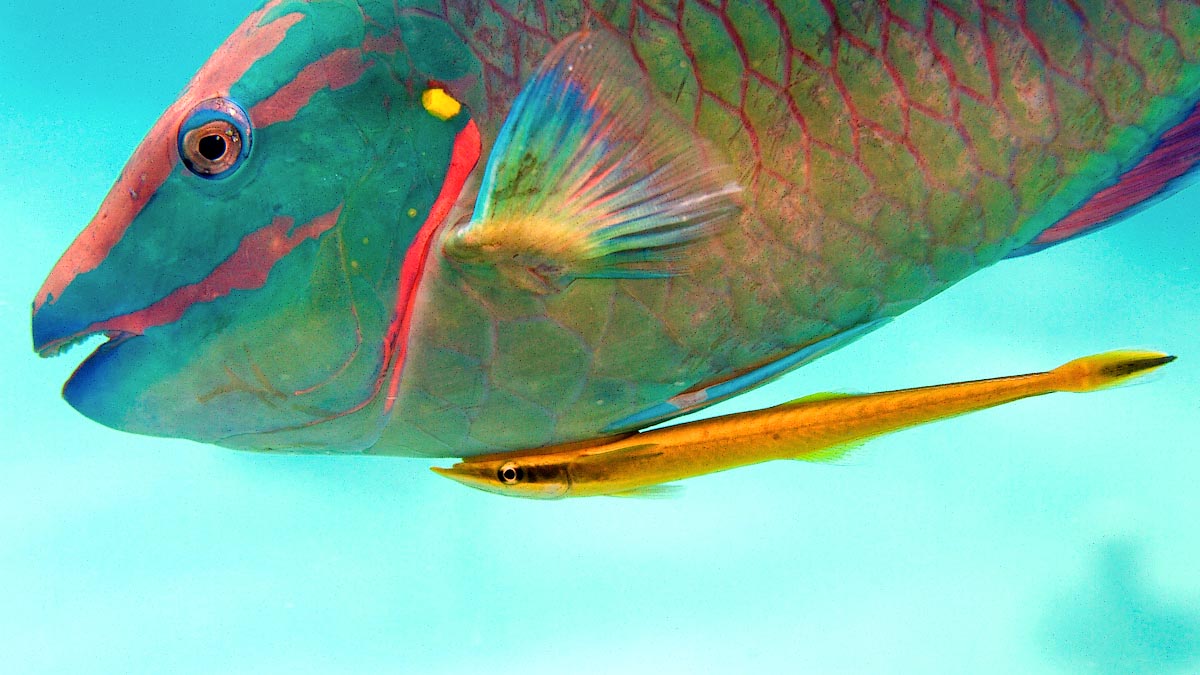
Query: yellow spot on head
(440,104)
(366,240)
(412,213)
(354,264)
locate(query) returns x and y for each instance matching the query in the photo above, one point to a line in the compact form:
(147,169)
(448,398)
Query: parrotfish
(817,428)
(455,227)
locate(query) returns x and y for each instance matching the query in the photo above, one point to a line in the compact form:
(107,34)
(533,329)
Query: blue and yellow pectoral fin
(592,176)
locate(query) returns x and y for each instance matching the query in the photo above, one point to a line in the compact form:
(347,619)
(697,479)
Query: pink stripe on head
(157,155)
(246,269)
(341,68)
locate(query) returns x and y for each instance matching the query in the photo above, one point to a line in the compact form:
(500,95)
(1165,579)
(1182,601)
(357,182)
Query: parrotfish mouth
(107,341)
(58,326)
(51,338)
(60,346)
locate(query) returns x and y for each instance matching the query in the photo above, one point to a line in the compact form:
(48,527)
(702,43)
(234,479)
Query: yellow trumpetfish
(815,428)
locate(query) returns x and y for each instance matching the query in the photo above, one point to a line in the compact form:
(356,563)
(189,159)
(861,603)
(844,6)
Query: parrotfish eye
(511,473)
(215,138)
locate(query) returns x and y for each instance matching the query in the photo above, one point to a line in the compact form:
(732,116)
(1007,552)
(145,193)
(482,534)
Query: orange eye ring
(215,138)
(213,148)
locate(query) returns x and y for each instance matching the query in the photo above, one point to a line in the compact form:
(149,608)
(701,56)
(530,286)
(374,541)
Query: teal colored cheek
(228,365)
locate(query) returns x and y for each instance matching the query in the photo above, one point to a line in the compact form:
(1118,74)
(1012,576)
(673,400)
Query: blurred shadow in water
(1114,624)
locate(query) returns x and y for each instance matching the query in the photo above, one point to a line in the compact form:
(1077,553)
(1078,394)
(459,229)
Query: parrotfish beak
(96,288)
(83,297)
(86,294)
(189,270)
(120,276)
(73,303)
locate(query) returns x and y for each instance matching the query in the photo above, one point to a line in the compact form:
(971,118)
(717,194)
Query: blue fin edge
(689,401)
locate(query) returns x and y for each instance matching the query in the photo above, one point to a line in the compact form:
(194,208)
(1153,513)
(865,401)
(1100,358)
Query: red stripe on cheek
(157,156)
(339,69)
(247,269)
(464,156)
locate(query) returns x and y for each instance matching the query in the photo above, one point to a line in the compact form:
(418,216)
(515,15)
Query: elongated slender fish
(812,429)
(444,228)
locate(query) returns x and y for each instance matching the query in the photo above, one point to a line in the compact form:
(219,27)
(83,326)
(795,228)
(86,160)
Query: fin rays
(592,176)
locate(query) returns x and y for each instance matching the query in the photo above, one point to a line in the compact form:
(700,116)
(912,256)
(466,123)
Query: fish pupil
(212,147)
(511,473)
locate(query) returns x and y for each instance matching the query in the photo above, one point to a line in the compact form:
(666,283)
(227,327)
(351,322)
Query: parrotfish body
(450,228)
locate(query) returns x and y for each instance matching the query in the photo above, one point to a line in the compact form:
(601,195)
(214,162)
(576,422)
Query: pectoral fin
(592,176)
(632,453)
(664,491)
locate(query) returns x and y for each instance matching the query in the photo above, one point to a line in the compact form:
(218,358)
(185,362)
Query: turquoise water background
(1053,535)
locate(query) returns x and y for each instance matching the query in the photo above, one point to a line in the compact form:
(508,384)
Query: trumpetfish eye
(215,138)
(510,474)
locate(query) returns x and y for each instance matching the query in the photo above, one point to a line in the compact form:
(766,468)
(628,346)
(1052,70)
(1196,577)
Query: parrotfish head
(253,264)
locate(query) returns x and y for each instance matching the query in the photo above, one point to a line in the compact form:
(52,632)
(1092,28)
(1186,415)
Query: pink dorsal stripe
(1177,153)
(246,269)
